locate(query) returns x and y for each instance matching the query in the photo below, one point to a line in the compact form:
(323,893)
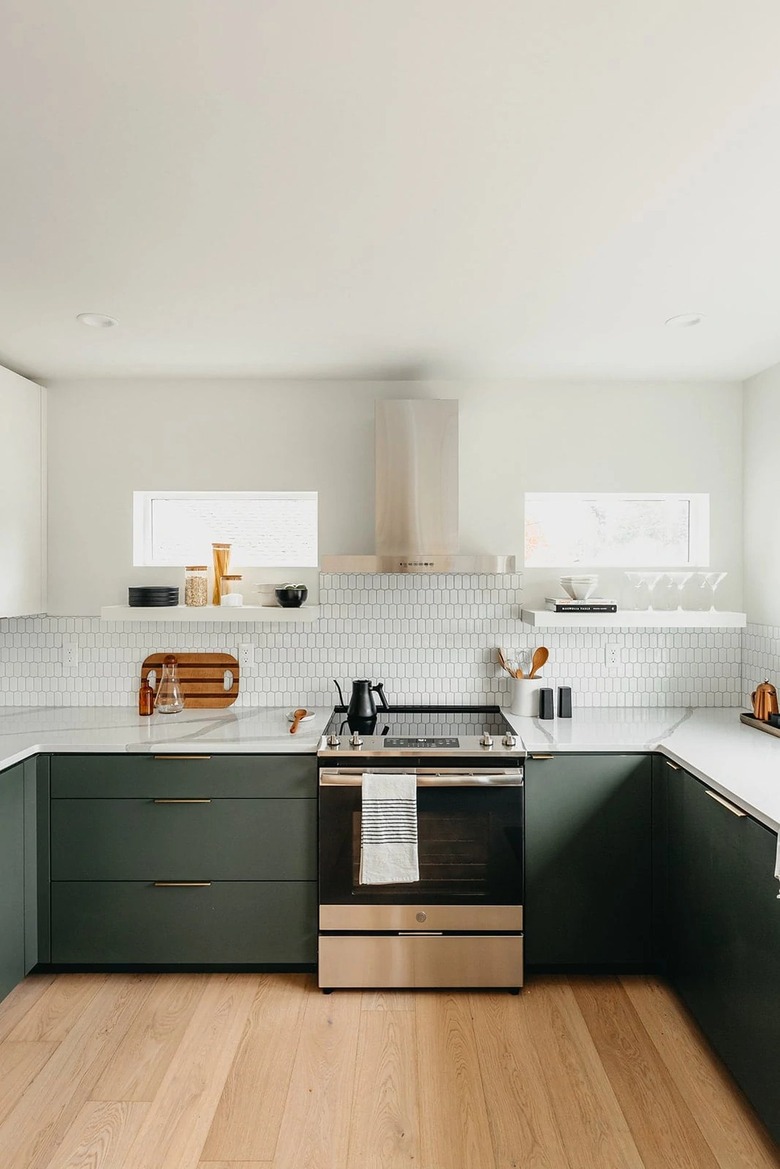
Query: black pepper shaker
(546,708)
(564,702)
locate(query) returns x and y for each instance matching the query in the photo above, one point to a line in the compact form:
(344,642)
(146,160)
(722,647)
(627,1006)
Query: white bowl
(579,590)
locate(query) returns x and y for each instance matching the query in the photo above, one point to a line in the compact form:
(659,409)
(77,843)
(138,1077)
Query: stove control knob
(486,740)
(356,740)
(509,740)
(334,741)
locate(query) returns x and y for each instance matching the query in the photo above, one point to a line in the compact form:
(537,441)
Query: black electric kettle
(362,708)
(361,704)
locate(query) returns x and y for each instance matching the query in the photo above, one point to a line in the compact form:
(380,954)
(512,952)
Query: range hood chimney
(416,444)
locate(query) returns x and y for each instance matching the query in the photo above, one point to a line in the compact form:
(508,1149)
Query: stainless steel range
(460,924)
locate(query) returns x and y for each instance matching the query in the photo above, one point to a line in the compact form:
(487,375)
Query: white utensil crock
(525,696)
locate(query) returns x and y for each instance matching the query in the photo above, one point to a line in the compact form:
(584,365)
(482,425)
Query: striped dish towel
(388,832)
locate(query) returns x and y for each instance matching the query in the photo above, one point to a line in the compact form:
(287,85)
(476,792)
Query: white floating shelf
(216,614)
(633,619)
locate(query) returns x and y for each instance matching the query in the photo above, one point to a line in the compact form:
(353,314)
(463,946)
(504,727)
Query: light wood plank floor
(252,1071)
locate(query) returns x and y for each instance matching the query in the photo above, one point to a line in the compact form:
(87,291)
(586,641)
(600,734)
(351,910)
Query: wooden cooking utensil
(297,716)
(538,660)
(504,662)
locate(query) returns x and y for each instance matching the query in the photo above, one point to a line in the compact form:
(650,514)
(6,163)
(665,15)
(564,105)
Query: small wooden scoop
(297,716)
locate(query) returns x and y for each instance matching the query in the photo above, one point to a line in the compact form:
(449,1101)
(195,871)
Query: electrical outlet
(70,654)
(612,655)
(246,654)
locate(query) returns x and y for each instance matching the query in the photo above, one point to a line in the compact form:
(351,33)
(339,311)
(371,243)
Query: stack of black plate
(152,597)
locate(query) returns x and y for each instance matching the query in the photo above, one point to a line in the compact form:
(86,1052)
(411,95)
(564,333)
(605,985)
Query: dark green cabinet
(189,860)
(588,889)
(723,933)
(12,964)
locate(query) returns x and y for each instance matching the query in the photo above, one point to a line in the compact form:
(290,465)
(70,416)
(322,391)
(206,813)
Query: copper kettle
(764,699)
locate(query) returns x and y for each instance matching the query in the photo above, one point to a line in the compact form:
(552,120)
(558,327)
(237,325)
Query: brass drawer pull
(181,756)
(182,884)
(182,801)
(542,756)
(720,800)
(674,766)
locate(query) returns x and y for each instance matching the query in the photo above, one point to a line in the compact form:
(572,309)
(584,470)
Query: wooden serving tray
(202,677)
(759,725)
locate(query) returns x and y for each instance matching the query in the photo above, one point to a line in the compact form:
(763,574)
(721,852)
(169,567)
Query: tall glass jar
(221,566)
(196,585)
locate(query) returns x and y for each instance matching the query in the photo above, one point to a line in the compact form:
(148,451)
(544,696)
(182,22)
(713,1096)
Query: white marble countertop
(36,730)
(741,763)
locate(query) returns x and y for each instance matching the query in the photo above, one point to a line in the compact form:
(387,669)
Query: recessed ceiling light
(686,321)
(97,320)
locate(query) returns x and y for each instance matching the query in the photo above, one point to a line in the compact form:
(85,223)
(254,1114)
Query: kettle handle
(341,696)
(380,689)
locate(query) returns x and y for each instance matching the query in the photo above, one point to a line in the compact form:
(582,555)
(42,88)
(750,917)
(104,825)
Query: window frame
(143,502)
(698,530)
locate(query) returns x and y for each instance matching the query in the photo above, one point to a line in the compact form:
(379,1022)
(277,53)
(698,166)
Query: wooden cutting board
(202,677)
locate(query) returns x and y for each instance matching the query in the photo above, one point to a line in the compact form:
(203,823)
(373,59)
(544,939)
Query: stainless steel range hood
(416,445)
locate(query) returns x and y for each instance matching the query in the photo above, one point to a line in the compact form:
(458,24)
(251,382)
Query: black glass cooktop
(428,727)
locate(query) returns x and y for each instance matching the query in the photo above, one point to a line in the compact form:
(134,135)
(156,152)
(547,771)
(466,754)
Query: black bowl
(290,597)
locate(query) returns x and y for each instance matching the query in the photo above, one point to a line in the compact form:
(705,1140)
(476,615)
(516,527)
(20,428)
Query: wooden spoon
(538,660)
(504,662)
(297,716)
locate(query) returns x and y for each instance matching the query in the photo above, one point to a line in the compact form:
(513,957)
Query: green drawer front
(236,776)
(230,922)
(224,840)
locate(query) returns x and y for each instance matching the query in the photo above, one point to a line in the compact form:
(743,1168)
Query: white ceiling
(390,188)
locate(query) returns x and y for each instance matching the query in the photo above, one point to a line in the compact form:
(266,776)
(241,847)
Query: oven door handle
(353,777)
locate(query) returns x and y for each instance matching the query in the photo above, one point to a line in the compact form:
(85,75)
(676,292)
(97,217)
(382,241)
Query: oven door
(470,844)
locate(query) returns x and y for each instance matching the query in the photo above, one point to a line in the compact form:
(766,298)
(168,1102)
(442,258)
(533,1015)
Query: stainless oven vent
(416,510)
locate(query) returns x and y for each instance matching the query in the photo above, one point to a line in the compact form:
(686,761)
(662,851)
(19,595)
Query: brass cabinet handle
(720,800)
(181,756)
(674,766)
(182,884)
(542,756)
(182,801)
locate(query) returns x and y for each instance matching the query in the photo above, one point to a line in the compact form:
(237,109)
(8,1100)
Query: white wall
(107,438)
(761,453)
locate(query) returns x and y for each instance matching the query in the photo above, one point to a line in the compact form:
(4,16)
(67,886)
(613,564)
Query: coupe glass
(712,580)
(703,590)
(665,594)
(651,580)
(680,580)
(638,593)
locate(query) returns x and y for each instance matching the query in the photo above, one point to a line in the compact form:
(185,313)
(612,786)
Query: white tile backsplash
(428,638)
(760,658)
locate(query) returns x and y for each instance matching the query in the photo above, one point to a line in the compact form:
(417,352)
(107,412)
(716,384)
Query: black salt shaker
(546,708)
(564,702)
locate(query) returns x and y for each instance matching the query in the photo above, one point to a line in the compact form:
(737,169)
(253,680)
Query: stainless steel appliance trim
(720,800)
(457,777)
(461,918)
(421,961)
(428,563)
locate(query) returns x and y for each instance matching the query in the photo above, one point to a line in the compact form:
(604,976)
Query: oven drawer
(460,918)
(420,961)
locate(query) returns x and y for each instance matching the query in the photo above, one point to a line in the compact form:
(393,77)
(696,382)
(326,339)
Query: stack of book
(593,605)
